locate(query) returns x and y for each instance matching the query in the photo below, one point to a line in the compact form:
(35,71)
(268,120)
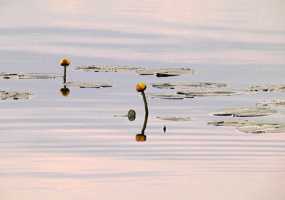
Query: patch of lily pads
(205,92)
(4,95)
(190,85)
(88,85)
(161,72)
(108,68)
(273,103)
(267,88)
(197,89)
(257,111)
(247,126)
(4,75)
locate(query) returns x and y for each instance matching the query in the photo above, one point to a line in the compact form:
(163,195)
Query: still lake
(55,147)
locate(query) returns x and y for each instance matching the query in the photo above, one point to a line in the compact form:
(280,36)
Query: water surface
(56,147)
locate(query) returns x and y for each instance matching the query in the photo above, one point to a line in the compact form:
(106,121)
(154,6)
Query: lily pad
(206,92)
(168,96)
(132,115)
(108,68)
(88,85)
(162,72)
(4,95)
(246,112)
(267,88)
(274,103)
(252,126)
(197,89)
(188,85)
(176,119)
(165,72)
(4,75)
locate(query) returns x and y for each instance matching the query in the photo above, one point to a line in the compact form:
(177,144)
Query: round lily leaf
(132,115)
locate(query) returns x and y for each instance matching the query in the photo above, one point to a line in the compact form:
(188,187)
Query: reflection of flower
(65,91)
(140,137)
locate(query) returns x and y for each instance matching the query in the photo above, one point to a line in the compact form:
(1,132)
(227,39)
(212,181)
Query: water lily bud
(64,62)
(140,87)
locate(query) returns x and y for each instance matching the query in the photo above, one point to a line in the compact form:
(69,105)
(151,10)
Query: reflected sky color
(54,147)
(188,32)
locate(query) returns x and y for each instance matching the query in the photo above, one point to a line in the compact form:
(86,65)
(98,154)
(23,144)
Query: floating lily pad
(188,85)
(197,89)
(206,92)
(131,115)
(88,85)
(107,68)
(267,88)
(4,95)
(252,126)
(28,76)
(168,96)
(165,72)
(176,119)
(246,112)
(274,103)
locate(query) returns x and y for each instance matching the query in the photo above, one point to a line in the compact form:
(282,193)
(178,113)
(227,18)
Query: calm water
(55,147)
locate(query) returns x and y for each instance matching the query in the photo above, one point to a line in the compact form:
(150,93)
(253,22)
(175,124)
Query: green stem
(146,112)
(64,75)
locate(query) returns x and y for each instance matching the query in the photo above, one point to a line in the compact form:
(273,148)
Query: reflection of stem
(146,112)
(64,75)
